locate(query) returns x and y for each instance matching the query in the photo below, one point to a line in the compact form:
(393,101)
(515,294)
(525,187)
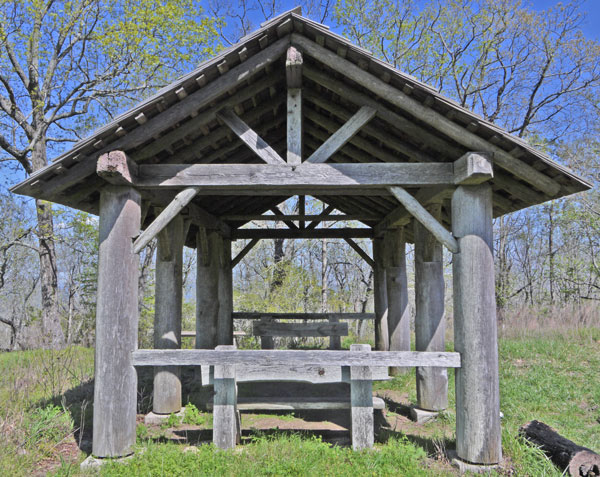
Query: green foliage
(195,417)
(46,426)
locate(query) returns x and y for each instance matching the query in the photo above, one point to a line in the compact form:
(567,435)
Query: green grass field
(45,417)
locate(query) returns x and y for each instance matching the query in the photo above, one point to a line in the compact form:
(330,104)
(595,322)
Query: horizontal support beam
(251,315)
(315,329)
(318,178)
(341,233)
(197,357)
(281,218)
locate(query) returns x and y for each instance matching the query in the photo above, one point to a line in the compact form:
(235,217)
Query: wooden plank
(413,206)
(301,217)
(343,135)
(202,218)
(428,115)
(324,329)
(430,323)
(249,246)
(335,341)
(315,178)
(293,68)
(241,315)
(289,223)
(225,295)
(180,201)
(115,385)
(380,302)
(361,401)
(175,113)
(196,357)
(478,433)
(297,404)
(358,249)
(249,137)
(399,314)
(167,315)
(294,126)
(225,420)
(333,233)
(317,221)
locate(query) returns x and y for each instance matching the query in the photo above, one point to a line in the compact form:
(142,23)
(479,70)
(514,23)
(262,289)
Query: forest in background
(67,67)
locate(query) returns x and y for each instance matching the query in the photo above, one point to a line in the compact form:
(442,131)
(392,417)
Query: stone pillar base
(464,467)
(421,416)
(153,419)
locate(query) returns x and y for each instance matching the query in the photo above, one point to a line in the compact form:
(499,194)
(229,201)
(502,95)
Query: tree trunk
(51,328)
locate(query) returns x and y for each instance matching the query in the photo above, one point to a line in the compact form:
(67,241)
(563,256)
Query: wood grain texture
(167,315)
(293,68)
(473,168)
(316,329)
(333,233)
(297,404)
(380,301)
(225,422)
(478,435)
(191,357)
(361,401)
(207,289)
(117,168)
(115,385)
(294,127)
(225,295)
(430,323)
(255,315)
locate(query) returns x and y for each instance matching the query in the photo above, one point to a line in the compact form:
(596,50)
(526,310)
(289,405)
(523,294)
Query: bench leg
(361,402)
(225,415)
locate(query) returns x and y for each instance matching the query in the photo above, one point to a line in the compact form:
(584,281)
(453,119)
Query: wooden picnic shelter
(296,110)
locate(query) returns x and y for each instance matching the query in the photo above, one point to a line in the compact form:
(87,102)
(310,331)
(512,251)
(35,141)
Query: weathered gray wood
(225,422)
(317,221)
(250,137)
(430,323)
(295,373)
(225,297)
(167,315)
(294,127)
(115,385)
(179,202)
(358,249)
(266,341)
(361,399)
(249,246)
(321,178)
(419,212)
(289,223)
(343,135)
(478,437)
(397,294)
(297,404)
(473,168)
(202,218)
(335,341)
(244,315)
(196,357)
(207,289)
(306,233)
(179,111)
(293,68)
(117,168)
(426,114)
(271,328)
(380,302)
(301,217)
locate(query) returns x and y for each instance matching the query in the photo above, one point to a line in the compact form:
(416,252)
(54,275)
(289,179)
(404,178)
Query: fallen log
(578,461)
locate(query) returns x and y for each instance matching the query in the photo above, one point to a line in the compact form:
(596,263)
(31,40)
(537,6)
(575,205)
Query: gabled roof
(415,124)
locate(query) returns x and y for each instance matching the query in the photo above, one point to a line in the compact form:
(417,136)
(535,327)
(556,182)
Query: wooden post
(207,289)
(361,402)
(115,385)
(397,294)
(478,437)
(380,297)
(225,421)
(266,342)
(335,341)
(225,296)
(430,324)
(167,315)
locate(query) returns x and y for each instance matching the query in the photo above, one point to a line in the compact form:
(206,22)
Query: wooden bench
(358,364)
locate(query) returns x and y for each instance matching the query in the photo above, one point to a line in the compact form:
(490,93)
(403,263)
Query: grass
(45,417)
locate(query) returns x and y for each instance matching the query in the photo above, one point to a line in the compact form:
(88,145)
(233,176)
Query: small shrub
(193,416)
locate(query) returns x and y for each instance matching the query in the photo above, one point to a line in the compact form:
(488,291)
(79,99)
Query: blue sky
(591,28)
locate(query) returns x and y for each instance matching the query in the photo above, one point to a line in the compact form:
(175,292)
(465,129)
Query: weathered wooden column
(207,288)
(115,384)
(430,325)
(225,295)
(380,302)
(397,294)
(478,437)
(167,314)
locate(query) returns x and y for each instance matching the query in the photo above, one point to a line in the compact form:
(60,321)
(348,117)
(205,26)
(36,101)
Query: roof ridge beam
(428,115)
(249,137)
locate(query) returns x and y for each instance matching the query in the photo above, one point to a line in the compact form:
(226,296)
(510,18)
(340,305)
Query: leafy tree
(68,65)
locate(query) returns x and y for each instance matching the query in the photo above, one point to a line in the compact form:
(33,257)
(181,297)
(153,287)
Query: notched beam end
(293,68)
(117,168)
(473,168)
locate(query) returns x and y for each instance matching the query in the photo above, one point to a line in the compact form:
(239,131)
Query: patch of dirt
(67,451)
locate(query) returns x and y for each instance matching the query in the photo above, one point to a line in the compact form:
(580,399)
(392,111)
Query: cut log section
(568,456)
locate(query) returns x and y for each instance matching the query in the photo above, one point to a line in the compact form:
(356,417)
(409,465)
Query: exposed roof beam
(281,217)
(331,233)
(293,68)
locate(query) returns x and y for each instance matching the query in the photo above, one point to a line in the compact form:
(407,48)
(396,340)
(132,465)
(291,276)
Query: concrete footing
(421,416)
(92,463)
(464,467)
(153,419)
